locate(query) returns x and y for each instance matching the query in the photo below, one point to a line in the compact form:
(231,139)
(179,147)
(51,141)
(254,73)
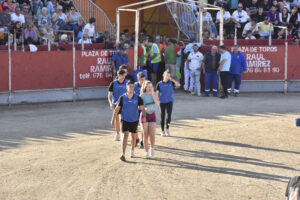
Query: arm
(244,63)
(110,100)
(222,62)
(113,119)
(175,82)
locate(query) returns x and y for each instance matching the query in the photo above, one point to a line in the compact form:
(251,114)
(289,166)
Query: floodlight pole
(136,44)
(200,25)
(221,26)
(118,25)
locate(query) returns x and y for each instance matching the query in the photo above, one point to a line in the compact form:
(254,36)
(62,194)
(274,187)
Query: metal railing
(89,9)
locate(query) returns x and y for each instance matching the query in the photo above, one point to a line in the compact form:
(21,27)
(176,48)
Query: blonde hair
(144,86)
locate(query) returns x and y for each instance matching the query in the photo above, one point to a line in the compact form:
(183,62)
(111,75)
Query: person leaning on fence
(45,26)
(170,57)
(30,32)
(210,68)
(265,28)
(237,68)
(224,69)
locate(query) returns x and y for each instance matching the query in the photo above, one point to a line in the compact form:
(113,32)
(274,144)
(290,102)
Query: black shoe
(215,95)
(142,145)
(223,96)
(137,141)
(206,95)
(123,158)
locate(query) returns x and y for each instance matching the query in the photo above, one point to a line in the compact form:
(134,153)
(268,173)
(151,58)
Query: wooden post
(137,21)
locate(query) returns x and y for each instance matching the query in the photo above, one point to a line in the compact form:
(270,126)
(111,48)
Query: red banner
(4,72)
(42,70)
(93,68)
(264,62)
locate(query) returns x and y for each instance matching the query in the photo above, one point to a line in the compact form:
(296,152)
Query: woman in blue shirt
(165,94)
(150,104)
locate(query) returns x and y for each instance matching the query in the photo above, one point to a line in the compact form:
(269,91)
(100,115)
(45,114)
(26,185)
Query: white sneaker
(152,152)
(117,137)
(199,95)
(193,93)
(163,134)
(131,154)
(168,132)
(146,155)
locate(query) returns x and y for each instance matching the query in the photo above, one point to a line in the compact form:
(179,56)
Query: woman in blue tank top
(165,93)
(150,102)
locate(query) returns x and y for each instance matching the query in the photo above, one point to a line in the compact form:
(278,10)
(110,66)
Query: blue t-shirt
(130,112)
(137,88)
(149,103)
(117,89)
(166,91)
(120,60)
(226,67)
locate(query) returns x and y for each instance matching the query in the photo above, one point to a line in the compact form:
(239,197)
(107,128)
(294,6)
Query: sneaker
(193,93)
(223,96)
(137,141)
(168,132)
(146,155)
(131,154)
(236,94)
(117,137)
(122,158)
(199,95)
(163,133)
(152,152)
(142,145)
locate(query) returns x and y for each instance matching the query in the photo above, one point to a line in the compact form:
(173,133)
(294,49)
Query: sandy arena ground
(241,148)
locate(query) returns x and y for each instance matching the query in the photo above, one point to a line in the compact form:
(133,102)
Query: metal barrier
(88,9)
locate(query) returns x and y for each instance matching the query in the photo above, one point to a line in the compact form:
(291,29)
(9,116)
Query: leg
(198,84)
(124,142)
(224,81)
(230,80)
(237,84)
(215,82)
(207,77)
(169,112)
(151,133)
(186,77)
(172,71)
(162,116)
(193,87)
(145,130)
(133,140)
(118,124)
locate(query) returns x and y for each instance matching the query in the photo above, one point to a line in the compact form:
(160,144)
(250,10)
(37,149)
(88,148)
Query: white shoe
(117,137)
(132,154)
(146,155)
(199,95)
(152,152)
(163,134)
(193,93)
(168,132)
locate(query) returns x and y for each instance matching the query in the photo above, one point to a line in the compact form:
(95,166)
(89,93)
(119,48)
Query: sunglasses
(240,7)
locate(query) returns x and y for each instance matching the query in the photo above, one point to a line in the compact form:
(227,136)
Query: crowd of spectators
(41,21)
(253,19)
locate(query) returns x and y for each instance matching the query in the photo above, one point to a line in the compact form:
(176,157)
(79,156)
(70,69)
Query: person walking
(151,102)
(210,67)
(129,104)
(237,67)
(194,64)
(137,90)
(165,94)
(223,70)
(170,57)
(116,89)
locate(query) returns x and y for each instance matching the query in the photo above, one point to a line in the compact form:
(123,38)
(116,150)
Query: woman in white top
(284,16)
(91,28)
(85,39)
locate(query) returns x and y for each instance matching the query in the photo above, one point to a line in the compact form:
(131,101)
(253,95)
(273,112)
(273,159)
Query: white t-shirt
(226,67)
(63,16)
(241,17)
(87,41)
(252,38)
(207,17)
(16,18)
(196,60)
(91,29)
(225,16)
(249,27)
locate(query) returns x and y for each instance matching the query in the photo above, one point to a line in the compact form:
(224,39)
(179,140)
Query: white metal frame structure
(127,8)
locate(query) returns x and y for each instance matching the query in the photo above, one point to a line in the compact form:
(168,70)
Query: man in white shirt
(194,65)
(18,17)
(251,26)
(85,39)
(224,69)
(228,25)
(240,16)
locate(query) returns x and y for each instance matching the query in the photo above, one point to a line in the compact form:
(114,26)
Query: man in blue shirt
(118,59)
(224,69)
(237,67)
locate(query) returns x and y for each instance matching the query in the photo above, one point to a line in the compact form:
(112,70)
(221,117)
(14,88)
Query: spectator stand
(153,3)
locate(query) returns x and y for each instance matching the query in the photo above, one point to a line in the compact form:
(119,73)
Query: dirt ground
(241,148)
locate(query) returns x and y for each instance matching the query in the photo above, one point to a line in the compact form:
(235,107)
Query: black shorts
(129,126)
